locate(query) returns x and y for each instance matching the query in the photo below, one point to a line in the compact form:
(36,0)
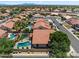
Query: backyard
(23,42)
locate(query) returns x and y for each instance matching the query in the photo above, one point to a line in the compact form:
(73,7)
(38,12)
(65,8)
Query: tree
(3,10)
(6,45)
(30,15)
(62,18)
(59,44)
(22,25)
(17,25)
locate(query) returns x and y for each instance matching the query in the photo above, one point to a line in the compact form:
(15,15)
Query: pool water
(30,27)
(24,44)
(12,36)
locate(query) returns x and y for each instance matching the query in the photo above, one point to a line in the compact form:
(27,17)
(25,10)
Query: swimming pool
(12,36)
(24,44)
(30,27)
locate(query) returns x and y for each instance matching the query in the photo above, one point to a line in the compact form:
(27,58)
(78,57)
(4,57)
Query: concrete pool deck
(11,36)
(24,40)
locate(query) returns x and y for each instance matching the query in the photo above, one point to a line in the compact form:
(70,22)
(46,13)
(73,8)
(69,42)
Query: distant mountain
(24,4)
(3,4)
(28,4)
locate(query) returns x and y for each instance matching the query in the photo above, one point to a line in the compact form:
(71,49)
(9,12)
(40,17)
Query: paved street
(72,13)
(74,41)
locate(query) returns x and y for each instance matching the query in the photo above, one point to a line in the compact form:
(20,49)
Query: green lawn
(77,33)
(76,17)
(67,25)
(78,36)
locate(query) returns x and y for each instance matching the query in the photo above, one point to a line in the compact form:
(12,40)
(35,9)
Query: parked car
(76,27)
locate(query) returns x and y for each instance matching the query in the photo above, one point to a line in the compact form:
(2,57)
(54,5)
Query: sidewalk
(68,30)
(72,52)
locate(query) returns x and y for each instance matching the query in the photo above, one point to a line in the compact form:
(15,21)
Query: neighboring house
(54,13)
(38,16)
(5,14)
(56,10)
(67,17)
(69,10)
(76,10)
(41,34)
(9,24)
(2,33)
(74,22)
(15,19)
(8,11)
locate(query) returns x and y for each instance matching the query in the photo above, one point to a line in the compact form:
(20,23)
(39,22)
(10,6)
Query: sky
(41,2)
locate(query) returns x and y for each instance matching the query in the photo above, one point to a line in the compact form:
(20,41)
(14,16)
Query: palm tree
(2,41)
(17,25)
(21,25)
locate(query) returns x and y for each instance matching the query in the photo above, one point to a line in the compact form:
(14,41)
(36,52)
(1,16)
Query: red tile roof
(41,36)
(15,19)
(2,32)
(73,21)
(41,22)
(9,24)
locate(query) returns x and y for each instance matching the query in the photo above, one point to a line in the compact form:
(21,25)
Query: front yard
(67,25)
(77,34)
(69,28)
(72,30)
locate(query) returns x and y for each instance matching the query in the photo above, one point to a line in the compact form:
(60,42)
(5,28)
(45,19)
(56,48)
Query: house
(74,22)
(67,17)
(56,10)
(8,10)
(38,16)
(2,33)
(5,14)
(76,10)
(69,10)
(41,22)
(41,34)
(54,13)
(15,19)
(9,24)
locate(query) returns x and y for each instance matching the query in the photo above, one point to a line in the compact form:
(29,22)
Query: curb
(72,51)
